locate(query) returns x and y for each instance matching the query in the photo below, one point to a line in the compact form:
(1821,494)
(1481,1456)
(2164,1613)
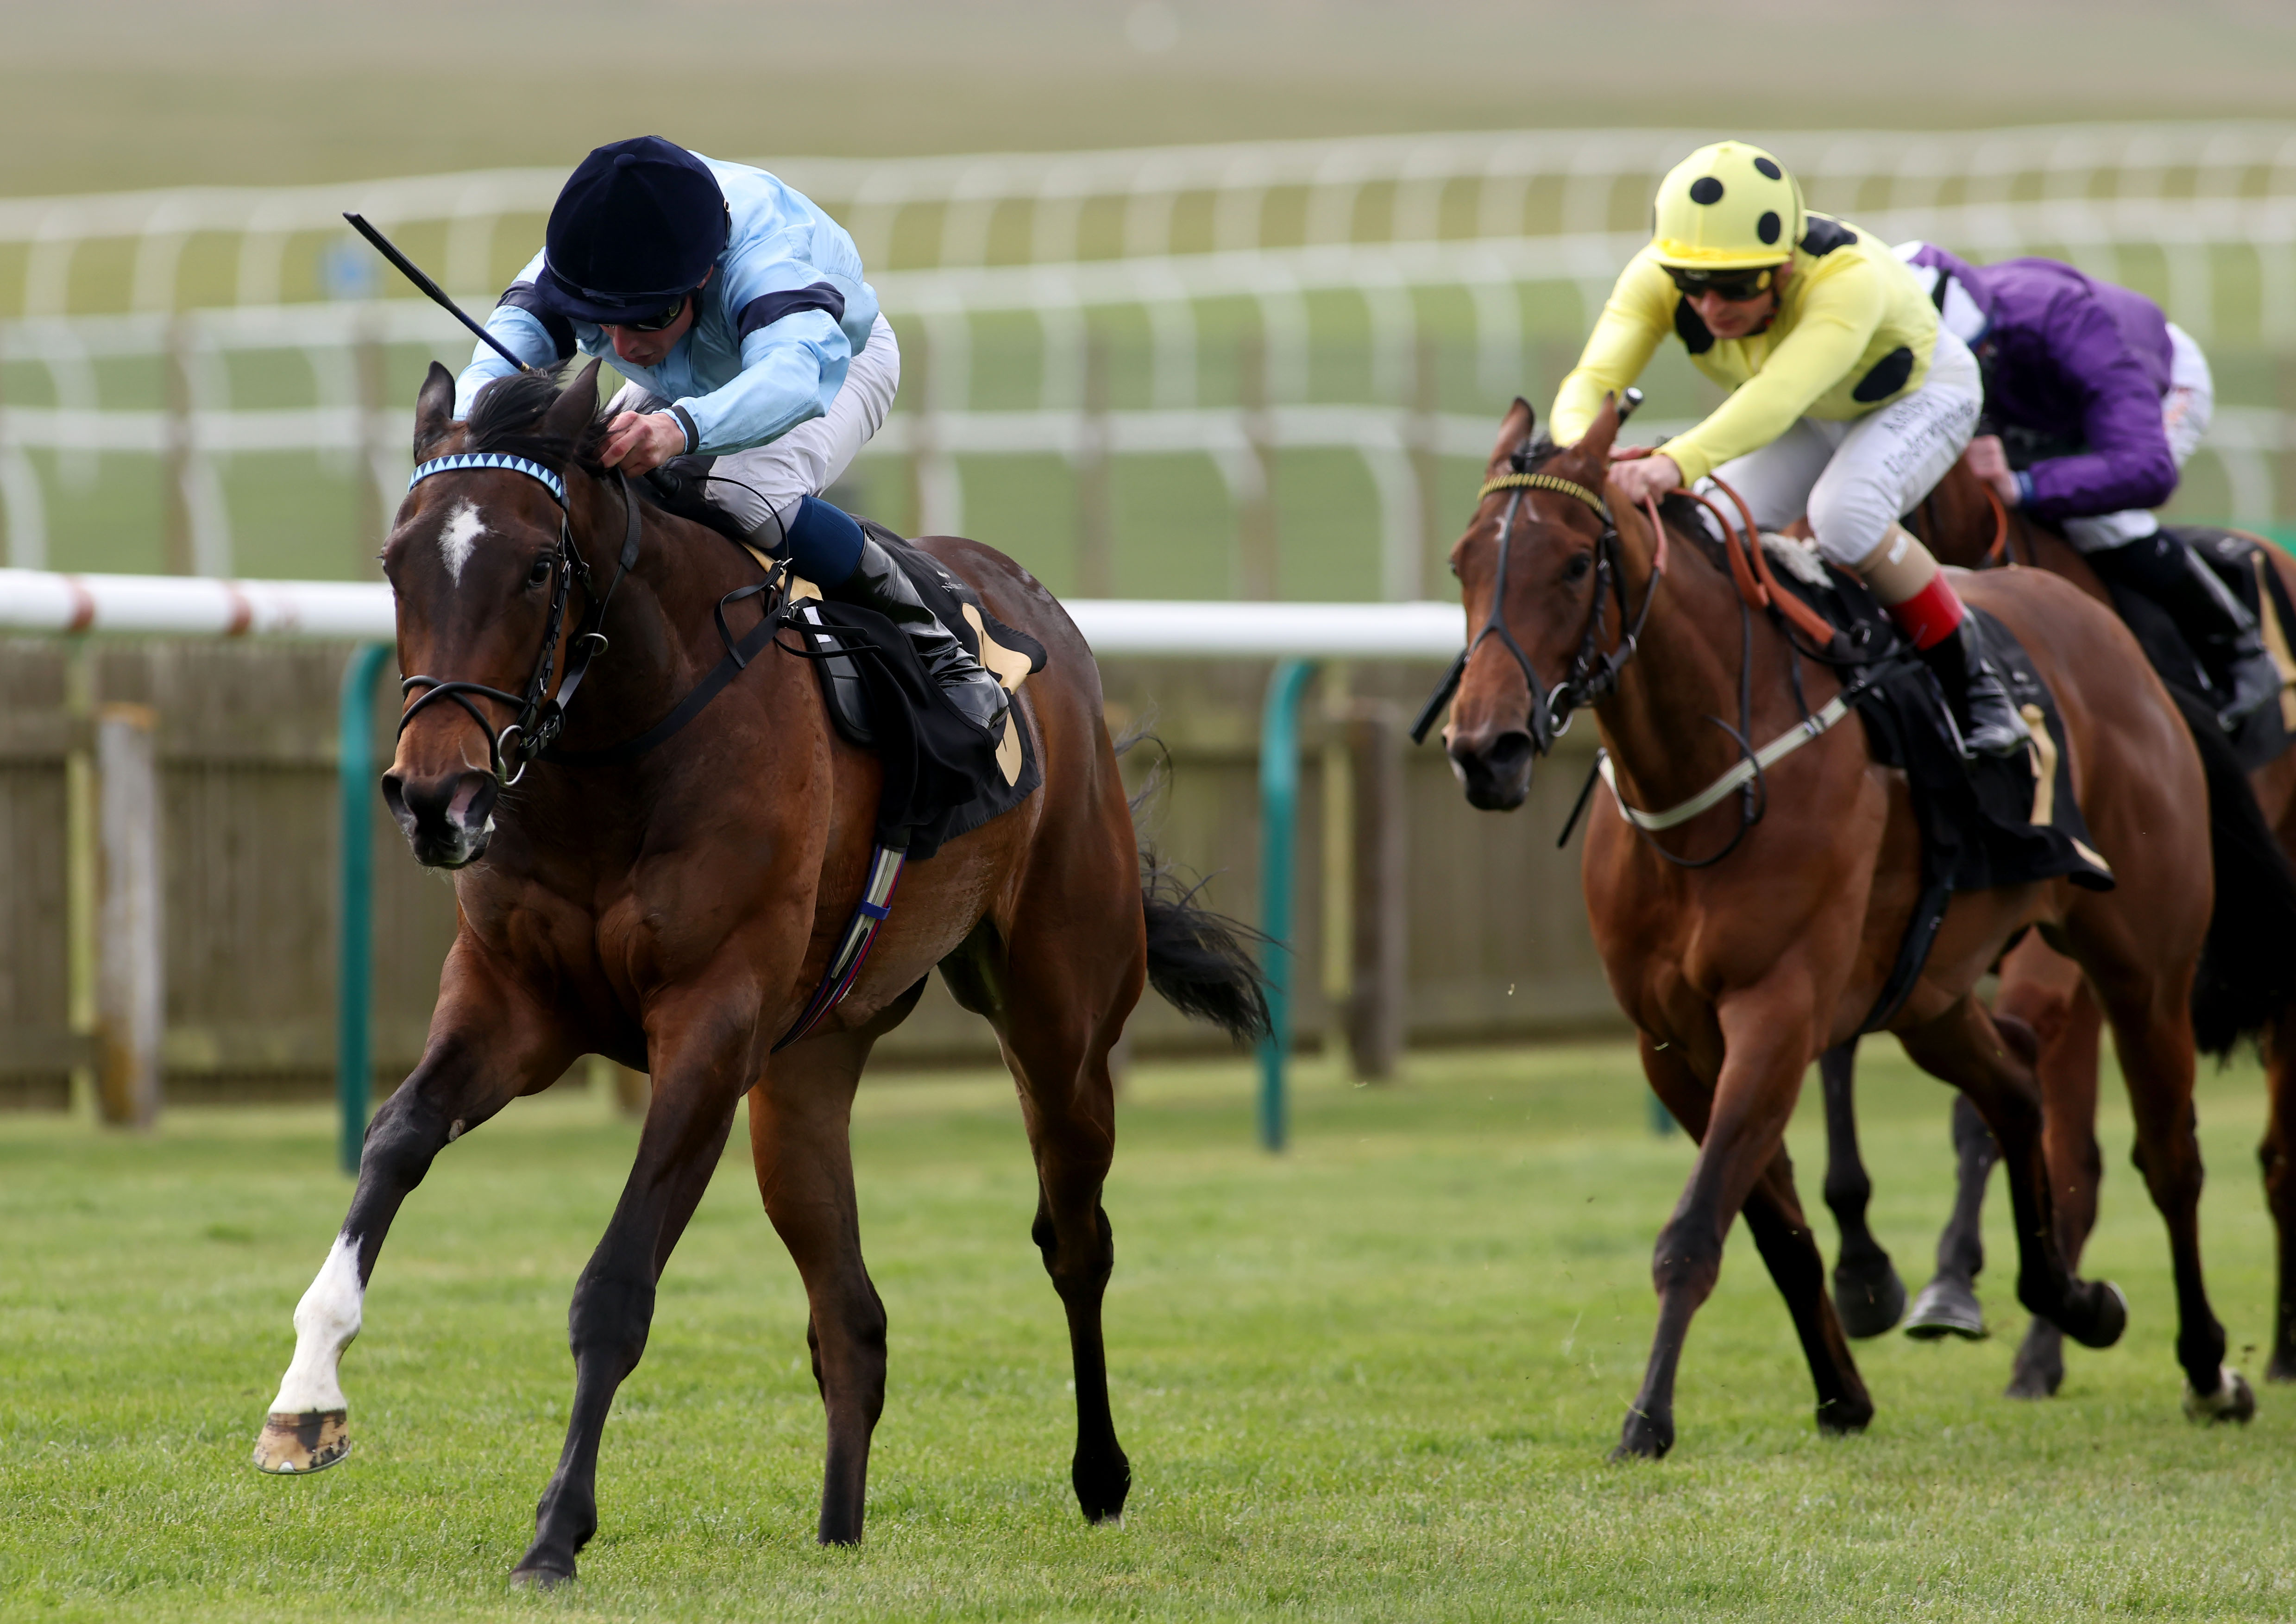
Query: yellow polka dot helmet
(1727,207)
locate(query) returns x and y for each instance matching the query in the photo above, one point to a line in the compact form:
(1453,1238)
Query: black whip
(432,289)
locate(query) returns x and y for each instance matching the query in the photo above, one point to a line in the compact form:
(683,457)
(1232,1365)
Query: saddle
(1991,821)
(2241,562)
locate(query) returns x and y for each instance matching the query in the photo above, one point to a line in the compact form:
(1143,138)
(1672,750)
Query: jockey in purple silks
(2094,399)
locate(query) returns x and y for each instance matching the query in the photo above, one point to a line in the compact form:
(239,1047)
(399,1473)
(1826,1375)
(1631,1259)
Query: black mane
(509,410)
(1677,510)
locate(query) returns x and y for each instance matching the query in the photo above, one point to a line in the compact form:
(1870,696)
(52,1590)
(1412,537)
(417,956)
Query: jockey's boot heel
(1988,722)
(2243,675)
(878,582)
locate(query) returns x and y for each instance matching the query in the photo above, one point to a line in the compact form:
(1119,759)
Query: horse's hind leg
(488,1045)
(1948,1305)
(1866,1291)
(2277,1153)
(801,1138)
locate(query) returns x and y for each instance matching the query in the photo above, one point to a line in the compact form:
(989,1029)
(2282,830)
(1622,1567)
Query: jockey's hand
(639,442)
(1651,476)
(1987,460)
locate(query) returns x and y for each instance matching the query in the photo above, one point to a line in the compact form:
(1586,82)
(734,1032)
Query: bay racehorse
(1963,526)
(1748,937)
(674,907)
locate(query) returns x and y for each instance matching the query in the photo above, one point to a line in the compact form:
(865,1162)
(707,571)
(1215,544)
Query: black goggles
(664,317)
(1735,286)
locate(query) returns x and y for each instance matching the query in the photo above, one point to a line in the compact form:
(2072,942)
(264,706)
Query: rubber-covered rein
(541,715)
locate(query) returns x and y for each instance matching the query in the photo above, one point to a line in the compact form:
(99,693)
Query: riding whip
(432,289)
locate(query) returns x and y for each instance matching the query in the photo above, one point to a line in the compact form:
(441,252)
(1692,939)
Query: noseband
(541,714)
(1594,674)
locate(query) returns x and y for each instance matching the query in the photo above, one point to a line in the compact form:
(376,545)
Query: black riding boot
(878,583)
(2217,625)
(1989,724)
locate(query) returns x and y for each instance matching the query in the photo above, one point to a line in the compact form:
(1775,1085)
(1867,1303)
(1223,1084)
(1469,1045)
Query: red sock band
(1930,615)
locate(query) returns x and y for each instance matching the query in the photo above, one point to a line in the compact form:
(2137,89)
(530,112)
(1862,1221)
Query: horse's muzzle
(448,820)
(1493,769)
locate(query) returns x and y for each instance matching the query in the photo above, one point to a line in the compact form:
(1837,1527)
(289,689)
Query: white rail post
(130,980)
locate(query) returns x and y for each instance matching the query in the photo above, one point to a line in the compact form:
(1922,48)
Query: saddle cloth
(1991,821)
(943,776)
(2242,563)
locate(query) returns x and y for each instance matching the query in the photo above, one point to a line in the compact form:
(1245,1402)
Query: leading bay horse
(1748,938)
(674,908)
(2040,987)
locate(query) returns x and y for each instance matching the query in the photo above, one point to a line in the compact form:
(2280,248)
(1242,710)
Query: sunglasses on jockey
(664,317)
(1736,286)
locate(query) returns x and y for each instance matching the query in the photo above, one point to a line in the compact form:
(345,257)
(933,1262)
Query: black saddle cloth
(1991,821)
(943,776)
(2240,561)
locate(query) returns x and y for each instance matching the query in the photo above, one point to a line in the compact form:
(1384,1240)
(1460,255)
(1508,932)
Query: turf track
(1374,1379)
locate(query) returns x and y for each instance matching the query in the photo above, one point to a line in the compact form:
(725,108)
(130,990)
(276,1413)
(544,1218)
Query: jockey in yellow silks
(1848,401)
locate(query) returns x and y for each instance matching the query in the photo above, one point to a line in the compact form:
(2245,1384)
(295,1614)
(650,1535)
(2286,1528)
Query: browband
(1545,482)
(491,459)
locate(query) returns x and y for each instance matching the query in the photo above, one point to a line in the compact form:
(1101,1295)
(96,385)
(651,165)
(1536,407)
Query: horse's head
(1527,568)
(475,563)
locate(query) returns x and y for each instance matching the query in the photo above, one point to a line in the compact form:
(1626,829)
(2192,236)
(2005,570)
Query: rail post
(1279,801)
(355,908)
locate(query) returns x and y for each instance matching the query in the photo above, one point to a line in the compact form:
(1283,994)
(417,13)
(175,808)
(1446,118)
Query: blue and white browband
(491,459)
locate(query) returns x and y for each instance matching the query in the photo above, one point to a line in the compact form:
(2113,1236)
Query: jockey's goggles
(666,316)
(1737,286)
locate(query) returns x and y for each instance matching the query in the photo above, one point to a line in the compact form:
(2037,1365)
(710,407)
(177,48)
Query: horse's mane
(509,410)
(1676,509)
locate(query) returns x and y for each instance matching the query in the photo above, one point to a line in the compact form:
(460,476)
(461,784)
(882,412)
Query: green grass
(1375,1379)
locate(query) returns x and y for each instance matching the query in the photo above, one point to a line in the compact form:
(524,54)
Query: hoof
(1947,1307)
(1870,1299)
(1101,1488)
(310,1441)
(1840,1420)
(1642,1438)
(2234,1399)
(2109,1311)
(2282,1367)
(2040,1367)
(540,1578)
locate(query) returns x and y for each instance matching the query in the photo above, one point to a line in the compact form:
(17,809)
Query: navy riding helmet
(637,227)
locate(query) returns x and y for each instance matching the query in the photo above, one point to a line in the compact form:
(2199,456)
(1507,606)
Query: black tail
(2248,965)
(1199,962)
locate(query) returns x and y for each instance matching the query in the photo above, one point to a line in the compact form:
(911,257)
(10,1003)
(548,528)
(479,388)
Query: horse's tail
(1199,962)
(2248,965)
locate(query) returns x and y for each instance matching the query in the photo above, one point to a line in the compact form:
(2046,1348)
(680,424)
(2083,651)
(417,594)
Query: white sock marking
(325,1322)
(459,535)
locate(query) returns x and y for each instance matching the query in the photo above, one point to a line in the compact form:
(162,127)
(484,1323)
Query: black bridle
(541,713)
(1594,673)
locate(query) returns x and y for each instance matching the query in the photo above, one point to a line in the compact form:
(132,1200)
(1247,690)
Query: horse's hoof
(1869,1299)
(2112,1318)
(524,1577)
(1642,1438)
(2282,1367)
(309,1442)
(1838,1419)
(2234,1399)
(1947,1307)
(1101,1487)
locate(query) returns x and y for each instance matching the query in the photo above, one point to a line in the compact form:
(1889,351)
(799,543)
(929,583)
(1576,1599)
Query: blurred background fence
(1269,369)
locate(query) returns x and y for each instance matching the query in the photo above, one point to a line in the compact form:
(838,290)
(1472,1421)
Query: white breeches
(2186,411)
(761,482)
(1855,480)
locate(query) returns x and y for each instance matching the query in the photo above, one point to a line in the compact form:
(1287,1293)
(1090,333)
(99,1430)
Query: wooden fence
(1493,940)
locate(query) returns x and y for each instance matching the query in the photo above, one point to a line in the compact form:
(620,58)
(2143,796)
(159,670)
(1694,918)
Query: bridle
(1595,670)
(541,714)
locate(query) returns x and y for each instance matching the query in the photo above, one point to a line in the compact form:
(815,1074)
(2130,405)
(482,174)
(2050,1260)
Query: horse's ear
(1601,434)
(576,405)
(434,408)
(1512,432)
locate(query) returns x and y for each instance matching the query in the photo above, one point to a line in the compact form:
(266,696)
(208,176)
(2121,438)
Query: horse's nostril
(1509,754)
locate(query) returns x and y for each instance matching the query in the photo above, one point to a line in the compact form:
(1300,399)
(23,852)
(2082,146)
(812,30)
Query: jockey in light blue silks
(758,364)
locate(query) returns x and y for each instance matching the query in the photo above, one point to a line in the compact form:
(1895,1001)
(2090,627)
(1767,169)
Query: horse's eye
(539,573)
(1578,568)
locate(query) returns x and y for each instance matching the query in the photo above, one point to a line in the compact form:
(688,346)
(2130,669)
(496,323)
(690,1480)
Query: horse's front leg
(1768,1038)
(488,1045)
(1866,1291)
(703,1062)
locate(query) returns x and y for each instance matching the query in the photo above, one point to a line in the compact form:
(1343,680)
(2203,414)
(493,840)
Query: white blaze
(325,1322)
(459,535)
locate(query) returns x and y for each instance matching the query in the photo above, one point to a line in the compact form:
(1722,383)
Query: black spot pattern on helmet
(1770,171)
(1767,227)
(1706,189)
